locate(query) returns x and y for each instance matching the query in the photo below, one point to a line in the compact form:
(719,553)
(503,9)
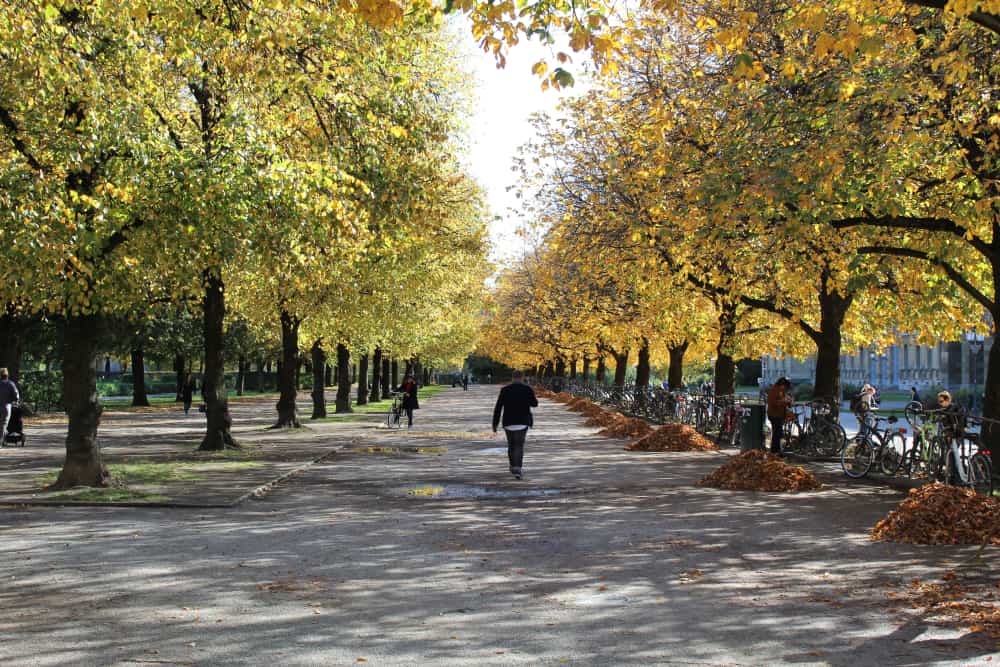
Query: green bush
(42,390)
(802,391)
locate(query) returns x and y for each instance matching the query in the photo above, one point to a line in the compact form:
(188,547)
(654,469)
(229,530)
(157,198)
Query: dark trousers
(515,447)
(409,416)
(777,426)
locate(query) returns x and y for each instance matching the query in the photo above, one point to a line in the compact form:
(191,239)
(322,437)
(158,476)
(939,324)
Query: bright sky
(499,126)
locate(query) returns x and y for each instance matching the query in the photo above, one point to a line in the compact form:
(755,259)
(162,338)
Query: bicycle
(394,419)
(870,444)
(819,435)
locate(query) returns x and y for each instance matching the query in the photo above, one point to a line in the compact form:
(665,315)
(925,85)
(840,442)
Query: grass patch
(160,472)
(344,417)
(430,490)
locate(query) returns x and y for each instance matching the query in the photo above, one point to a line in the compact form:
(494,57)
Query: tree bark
(241,375)
(12,332)
(180,368)
(621,365)
(572,368)
(725,365)
(386,376)
(675,374)
(376,392)
(288,416)
(217,433)
(586,368)
(319,379)
(139,398)
(833,312)
(600,375)
(395,372)
(363,380)
(642,371)
(560,367)
(83,466)
(343,379)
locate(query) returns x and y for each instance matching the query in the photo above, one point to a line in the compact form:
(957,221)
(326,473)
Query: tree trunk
(426,379)
(395,373)
(139,398)
(328,381)
(217,432)
(409,369)
(675,374)
(376,392)
(319,384)
(833,312)
(586,368)
(725,365)
(572,368)
(621,365)
(600,374)
(343,379)
(83,465)
(386,376)
(241,375)
(991,400)
(363,380)
(288,416)
(12,333)
(180,368)
(260,375)
(550,369)
(560,367)
(642,368)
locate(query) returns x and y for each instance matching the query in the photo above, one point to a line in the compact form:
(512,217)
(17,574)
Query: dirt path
(419,548)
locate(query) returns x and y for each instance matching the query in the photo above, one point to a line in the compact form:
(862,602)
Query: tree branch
(15,137)
(949,270)
(984,19)
(924,224)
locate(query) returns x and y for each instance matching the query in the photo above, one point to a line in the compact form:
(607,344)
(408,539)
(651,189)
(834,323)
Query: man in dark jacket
(515,403)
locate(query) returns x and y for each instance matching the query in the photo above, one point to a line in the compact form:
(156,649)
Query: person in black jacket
(515,402)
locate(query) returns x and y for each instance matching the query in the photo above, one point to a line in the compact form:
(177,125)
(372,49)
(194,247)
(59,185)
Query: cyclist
(9,395)
(409,390)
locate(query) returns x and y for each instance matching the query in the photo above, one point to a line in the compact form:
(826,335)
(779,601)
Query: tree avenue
(766,158)
(287,165)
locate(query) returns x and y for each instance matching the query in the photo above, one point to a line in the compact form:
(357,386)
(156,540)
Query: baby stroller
(15,427)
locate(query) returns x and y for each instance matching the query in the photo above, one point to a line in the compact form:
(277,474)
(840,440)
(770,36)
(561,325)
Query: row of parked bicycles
(942,445)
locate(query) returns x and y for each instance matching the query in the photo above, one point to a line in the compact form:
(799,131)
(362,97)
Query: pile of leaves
(584,406)
(942,514)
(673,438)
(626,427)
(541,392)
(758,470)
(951,603)
(602,419)
(562,397)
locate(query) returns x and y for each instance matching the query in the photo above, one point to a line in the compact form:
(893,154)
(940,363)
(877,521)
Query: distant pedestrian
(9,395)
(409,390)
(514,404)
(778,403)
(465,383)
(914,396)
(489,378)
(187,392)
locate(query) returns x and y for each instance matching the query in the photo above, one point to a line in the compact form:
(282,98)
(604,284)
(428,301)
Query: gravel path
(418,547)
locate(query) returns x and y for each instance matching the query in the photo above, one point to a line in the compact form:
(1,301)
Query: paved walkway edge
(256,492)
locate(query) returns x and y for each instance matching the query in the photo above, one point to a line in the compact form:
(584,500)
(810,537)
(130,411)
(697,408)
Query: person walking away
(914,396)
(465,383)
(514,404)
(409,390)
(778,402)
(187,392)
(9,395)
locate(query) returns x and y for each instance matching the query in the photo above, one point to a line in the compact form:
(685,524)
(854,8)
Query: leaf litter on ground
(941,514)
(673,438)
(758,470)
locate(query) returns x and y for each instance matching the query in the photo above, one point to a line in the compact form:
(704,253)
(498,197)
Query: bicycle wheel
(981,474)
(891,456)
(857,457)
(828,439)
(914,414)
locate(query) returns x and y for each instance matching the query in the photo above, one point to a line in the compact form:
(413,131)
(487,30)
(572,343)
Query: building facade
(908,364)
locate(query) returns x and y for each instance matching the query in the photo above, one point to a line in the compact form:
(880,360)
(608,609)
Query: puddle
(465,491)
(493,450)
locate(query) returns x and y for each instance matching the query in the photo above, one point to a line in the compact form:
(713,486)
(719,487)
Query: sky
(500,125)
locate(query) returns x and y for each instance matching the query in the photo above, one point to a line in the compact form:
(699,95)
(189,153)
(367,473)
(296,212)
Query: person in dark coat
(9,395)
(409,390)
(514,403)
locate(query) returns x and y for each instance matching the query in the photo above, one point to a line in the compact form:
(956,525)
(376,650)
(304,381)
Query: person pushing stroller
(9,397)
